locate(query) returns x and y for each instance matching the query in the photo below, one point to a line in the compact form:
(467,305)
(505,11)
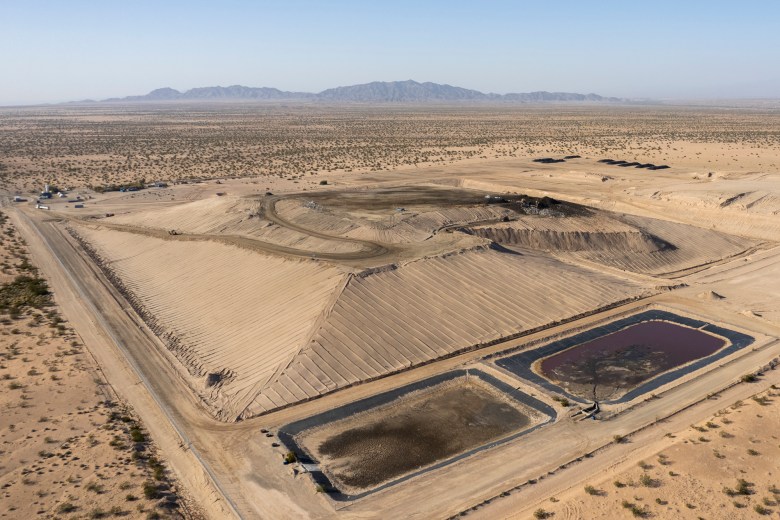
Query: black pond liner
(520,364)
(287,433)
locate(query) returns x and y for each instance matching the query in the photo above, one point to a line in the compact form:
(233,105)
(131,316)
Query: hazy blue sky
(75,49)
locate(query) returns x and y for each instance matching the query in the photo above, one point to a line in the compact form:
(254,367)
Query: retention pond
(381,441)
(623,359)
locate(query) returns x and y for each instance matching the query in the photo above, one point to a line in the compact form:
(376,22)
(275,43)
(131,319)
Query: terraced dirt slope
(230,316)
(692,247)
(631,243)
(392,319)
(595,232)
(257,332)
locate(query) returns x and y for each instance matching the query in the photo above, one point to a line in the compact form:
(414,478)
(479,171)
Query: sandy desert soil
(723,467)
(111,144)
(213,315)
(69,447)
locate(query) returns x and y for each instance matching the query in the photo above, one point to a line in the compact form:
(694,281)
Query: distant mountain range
(375,92)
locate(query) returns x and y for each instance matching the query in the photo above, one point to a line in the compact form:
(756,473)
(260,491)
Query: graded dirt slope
(388,320)
(631,243)
(554,234)
(743,204)
(224,311)
(692,246)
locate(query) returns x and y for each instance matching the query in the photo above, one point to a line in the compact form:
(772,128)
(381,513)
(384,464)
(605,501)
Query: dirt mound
(711,295)
(571,234)
(550,240)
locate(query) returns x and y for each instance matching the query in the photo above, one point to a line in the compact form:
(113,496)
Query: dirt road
(134,366)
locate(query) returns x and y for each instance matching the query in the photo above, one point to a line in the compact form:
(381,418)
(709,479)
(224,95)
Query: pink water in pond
(646,349)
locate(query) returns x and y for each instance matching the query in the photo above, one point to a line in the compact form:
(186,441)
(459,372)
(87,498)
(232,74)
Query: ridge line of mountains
(375,92)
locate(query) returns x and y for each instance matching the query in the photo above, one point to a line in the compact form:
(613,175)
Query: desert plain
(273,296)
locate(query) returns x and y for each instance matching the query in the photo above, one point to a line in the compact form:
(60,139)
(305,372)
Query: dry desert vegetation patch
(723,467)
(68,447)
(111,145)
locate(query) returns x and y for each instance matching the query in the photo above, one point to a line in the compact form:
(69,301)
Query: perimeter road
(129,358)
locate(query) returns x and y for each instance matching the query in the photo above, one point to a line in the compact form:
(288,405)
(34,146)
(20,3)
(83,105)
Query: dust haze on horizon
(57,52)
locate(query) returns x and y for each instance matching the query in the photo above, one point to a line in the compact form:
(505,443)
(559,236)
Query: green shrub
(761,510)
(646,480)
(94,486)
(150,490)
(24,291)
(137,435)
